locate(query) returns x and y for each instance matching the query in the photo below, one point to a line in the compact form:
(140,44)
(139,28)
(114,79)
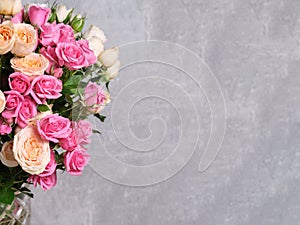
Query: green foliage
(43,108)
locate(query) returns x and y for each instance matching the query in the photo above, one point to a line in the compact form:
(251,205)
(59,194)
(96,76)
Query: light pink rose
(38,15)
(51,167)
(95,98)
(54,127)
(20,83)
(13,104)
(75,161)
(88,53)
(83,131)
(27,111)
(18,18)
(4,128)
(46,182)
(45,87)
(69,143)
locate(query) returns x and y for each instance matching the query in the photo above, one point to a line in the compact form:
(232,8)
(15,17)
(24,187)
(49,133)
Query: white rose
(62,12)
(10,7)
(7,155)
(31,151)
(96,39)
(2,101)
(113,71)
(94,31)
(109,57)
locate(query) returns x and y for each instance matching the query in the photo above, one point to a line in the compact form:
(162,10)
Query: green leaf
(96,132)
(7,196)
(43,108)
(73,81)
(100,117)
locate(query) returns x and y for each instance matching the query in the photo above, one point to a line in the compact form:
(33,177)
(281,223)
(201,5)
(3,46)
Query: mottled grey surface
(253,48)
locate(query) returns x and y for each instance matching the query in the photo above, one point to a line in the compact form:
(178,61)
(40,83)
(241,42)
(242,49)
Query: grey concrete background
(253,48)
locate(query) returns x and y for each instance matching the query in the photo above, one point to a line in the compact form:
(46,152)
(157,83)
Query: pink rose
(88,53)
(45,87)
(38,15)
(57,72)
(66,33)
(95,98)
(51,167)
(4,128)
(13,104)
(71,56)
(75,161)
(69,143)
(83,130)
(27,111)
(49,53)
(49,34)
(18,18)
(20,83)
(54,127)
(46,182)
(52,34)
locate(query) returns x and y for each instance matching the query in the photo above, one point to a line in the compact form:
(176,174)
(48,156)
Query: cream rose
(26,39)
(31,151)
(113,71)
(7,37)
(109,57)
(2,101)
(63,13)
(10,7)
(96,39)
(31,65)
(7,155)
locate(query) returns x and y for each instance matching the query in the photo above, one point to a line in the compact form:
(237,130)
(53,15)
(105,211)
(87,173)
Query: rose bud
(109,57)
(38,15)
(77,23)
(62,14)
(113,71)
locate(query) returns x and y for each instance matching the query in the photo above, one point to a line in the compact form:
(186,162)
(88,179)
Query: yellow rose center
(25,36)
(33,149)
(5,34)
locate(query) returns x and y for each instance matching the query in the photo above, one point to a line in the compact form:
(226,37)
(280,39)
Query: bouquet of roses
(52,77)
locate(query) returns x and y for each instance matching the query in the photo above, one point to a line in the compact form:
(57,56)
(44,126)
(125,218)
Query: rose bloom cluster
(42,43)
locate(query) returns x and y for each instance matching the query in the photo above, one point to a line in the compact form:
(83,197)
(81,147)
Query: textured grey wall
(253,48)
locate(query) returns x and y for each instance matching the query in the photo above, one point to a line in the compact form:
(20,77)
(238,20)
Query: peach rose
(26,39)
(2,101)
(7,37)
(7,155)
(31,151)
(31,65)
